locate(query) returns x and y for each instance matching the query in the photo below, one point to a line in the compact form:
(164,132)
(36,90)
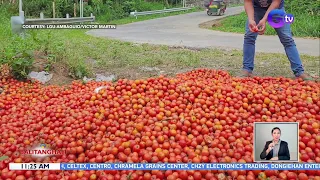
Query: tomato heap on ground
(199,116)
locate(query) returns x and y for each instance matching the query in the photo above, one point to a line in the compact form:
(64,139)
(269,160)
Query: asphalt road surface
(184,30)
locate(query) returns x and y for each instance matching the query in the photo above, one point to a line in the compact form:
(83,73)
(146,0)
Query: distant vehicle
(216,7)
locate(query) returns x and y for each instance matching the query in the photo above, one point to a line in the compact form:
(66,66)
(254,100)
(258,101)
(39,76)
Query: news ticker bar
(69,26)
(163,166)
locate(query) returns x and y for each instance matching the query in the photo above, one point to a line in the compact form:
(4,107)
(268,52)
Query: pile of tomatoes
(199,116)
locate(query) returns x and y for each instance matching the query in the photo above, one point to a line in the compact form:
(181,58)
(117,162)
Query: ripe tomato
(302,176)
(282,175)
(292,175)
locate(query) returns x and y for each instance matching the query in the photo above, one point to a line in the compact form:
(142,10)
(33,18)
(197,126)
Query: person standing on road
(257,12)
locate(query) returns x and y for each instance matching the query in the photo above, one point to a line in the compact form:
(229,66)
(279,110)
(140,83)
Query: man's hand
(262,26)
(274,158)
(253,26)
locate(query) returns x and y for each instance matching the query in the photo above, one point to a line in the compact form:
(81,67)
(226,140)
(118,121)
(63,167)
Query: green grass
(303,26)
(124,59)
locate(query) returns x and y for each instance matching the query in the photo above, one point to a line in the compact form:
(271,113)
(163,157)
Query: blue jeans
(285,36)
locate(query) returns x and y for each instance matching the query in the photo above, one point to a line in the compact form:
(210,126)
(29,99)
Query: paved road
(183,30)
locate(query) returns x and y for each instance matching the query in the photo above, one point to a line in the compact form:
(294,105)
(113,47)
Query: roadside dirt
(58,70)
(210,24)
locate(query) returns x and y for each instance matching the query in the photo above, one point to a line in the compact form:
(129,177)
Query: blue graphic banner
(189,166)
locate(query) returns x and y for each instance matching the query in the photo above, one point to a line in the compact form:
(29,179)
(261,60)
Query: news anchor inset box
(287,150)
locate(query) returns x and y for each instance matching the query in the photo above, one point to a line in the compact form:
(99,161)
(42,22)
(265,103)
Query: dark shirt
(283,153)
(264,4)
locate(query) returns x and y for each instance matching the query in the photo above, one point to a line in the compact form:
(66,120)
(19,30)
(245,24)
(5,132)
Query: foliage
(19,56)
(56,46)
(14,50)
(107,9)
(310,7)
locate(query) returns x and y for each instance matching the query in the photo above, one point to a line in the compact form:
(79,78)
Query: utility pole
(21,13)
(81,8)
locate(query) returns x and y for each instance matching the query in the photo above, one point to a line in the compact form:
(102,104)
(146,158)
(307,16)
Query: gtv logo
(278,18)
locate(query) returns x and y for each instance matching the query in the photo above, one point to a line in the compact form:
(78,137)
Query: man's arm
(274,5)
(262,24)
(248,6)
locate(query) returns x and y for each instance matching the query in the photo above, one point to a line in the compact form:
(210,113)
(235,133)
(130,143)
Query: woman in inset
(276,149)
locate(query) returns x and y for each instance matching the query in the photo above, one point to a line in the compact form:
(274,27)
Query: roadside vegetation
(50,50)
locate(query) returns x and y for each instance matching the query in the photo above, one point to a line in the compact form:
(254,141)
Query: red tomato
(292,175)
(302,176)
